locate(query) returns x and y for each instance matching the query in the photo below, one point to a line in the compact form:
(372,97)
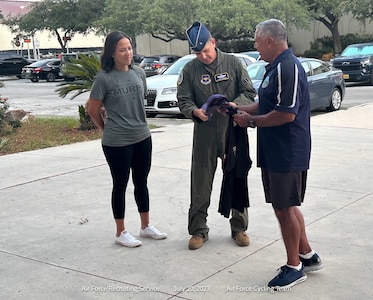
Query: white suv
(162,89)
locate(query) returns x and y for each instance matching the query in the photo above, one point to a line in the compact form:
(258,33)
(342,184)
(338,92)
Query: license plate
(147,68)
(346,76)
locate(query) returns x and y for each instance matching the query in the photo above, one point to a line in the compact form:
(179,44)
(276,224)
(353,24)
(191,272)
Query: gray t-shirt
(122,93)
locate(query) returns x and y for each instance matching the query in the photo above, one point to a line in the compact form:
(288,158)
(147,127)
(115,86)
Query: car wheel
(69,79)
(151,115)
(34,79)
(335,100)
(51,77)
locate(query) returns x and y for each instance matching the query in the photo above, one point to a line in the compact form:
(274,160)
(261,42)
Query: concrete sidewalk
(57,230)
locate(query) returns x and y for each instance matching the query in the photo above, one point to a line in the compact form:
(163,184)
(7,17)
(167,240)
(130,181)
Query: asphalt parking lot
(42,100)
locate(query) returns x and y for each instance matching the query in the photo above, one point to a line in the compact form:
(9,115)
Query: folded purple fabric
(217,101)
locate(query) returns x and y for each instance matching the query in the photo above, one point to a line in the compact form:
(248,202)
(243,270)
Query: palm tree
(83,69)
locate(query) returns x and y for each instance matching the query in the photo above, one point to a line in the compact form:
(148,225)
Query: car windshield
(358,50)
(39,63)
(254,54)
(177,66)
(68,57)
(152,59)
(256,71)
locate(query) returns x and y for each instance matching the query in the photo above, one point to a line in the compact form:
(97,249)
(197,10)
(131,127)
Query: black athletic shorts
(284,189)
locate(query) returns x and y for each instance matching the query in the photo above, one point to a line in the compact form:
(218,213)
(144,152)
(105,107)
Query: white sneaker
(153,232)
(127,240)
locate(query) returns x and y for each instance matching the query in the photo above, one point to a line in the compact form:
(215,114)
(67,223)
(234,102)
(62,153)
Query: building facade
(44,42)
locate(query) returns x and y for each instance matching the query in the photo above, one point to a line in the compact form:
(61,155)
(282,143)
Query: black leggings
(121,160)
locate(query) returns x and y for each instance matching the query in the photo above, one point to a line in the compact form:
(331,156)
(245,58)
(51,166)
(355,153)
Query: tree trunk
(331,22)
(63,48)
(336,38)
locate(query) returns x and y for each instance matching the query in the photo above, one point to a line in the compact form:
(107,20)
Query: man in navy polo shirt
(284,146)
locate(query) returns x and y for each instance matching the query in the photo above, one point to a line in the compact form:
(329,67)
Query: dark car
(67,58)
(11,64)
(137,58)
(356,62)
(47,69)
(326,84)
(153,65)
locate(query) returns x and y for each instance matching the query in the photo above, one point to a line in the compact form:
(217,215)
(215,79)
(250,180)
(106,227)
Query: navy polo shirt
(285,148)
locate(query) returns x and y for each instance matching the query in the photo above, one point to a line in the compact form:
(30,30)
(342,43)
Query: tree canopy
(361,9)
(167,20)
(62,18)
(329,13)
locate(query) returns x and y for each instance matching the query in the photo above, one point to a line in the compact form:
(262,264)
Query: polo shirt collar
(279,59)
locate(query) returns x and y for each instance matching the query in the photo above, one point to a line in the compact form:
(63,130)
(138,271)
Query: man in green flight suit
(211,72)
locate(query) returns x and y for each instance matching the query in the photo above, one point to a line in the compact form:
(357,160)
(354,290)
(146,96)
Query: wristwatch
(251,123)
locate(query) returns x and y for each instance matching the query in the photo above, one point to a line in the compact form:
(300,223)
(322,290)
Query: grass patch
(44,132)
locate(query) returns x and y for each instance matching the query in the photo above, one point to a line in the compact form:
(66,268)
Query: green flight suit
(196,83)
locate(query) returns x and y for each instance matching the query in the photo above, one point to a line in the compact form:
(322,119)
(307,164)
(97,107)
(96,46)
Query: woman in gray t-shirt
(120,87)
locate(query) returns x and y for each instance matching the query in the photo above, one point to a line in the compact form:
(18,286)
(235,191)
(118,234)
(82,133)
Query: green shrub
(85,120)
(6,125)
(85,69)
(320,47)
(324,45)
(3,119)
(349,39)
(4,144)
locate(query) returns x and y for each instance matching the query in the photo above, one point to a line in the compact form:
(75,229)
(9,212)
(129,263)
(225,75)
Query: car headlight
(366,62)
(169,91)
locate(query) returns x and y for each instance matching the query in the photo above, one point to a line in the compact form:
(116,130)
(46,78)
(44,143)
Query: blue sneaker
(312,264)
(287,277)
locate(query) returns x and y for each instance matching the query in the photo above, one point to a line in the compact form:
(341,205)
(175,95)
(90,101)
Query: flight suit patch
(265,82)
(221,77)
(205,79)
(247,81)
(180,79)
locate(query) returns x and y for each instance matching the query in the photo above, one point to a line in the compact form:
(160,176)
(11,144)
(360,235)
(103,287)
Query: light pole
(37,45)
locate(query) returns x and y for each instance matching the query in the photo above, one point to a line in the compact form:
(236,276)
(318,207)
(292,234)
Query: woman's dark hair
(111,41)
